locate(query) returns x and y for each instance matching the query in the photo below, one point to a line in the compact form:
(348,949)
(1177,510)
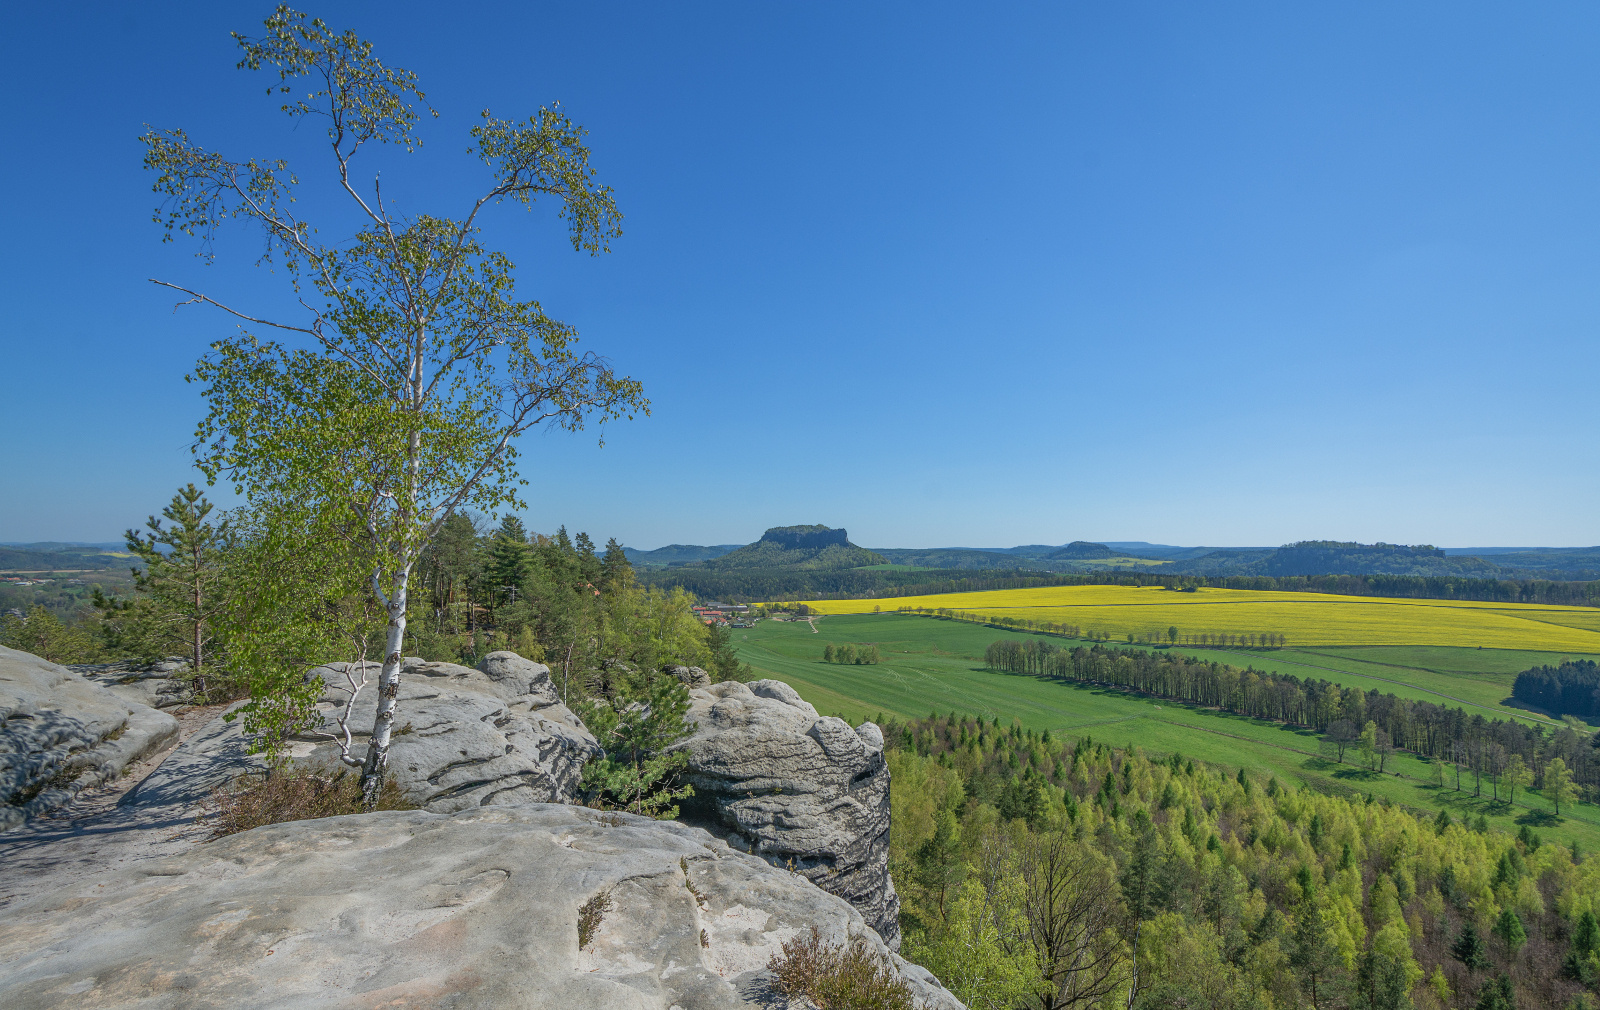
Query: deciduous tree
(403,387)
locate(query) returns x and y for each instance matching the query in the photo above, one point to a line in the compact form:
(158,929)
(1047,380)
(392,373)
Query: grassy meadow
(1305,619)
(934,665)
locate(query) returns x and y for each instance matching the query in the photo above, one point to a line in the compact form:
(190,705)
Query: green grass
(932,665)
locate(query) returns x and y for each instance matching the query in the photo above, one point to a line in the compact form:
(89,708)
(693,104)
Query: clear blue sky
(940,273)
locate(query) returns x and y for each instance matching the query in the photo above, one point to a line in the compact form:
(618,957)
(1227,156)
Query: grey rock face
(692,676)
(475,909)
(60,734)
(465,738)
(800,790)
(157,685)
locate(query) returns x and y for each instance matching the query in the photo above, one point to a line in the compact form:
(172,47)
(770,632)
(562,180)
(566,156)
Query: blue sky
(938,273)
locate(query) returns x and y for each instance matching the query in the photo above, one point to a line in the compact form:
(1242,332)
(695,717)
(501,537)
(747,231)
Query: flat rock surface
(801,790)
(475,909)
(61,734)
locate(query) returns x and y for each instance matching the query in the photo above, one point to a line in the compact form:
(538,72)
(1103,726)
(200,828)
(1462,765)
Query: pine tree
(1469,948)
(183,571)
(1508,927)
(616,571)
(1312,955)
(1497,994)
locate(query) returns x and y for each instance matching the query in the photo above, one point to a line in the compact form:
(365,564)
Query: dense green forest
(1496,754)
(1573,688)
(1051,873)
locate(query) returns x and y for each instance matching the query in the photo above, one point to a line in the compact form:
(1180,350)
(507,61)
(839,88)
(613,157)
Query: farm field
(1305,619)
(931,665)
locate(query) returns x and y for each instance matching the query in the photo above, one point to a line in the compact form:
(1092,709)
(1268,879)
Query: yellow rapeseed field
(1303,618)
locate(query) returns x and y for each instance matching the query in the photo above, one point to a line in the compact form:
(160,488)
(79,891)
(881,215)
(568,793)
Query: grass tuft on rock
(300,795)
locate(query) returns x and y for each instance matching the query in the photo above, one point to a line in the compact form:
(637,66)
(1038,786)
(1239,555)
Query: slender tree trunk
(388,693)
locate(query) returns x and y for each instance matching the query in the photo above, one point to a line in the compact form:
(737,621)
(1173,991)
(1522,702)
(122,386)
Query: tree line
(1483,748)
(1573,688)
(1048,872)
(851,584)
(1168,636)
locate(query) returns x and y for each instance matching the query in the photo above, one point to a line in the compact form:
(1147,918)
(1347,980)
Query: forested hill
(1327,557)
(676,554)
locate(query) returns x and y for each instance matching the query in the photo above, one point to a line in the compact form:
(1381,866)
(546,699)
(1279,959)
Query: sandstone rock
(465,738)
(476,909)
(800,790)
(60,734)
(692,676)
(157,685)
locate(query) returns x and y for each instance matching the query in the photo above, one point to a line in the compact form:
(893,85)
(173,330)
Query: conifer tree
(1469,948)
(183,571)
(1508,927)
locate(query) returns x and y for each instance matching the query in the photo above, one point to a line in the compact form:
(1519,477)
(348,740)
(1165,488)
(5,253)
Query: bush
(835,977)
(280,796)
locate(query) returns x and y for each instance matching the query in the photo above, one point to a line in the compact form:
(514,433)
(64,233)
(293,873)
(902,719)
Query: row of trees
(1039,872)
(1482,747)
(1171,636)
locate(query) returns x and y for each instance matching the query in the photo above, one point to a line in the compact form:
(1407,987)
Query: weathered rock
(800,790)
(158,685)
(465,738)
(692,676)
(476,909)
(60,734)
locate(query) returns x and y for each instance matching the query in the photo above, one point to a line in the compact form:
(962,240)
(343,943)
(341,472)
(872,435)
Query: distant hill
(54,557)
(971,558)
(676,554)
(1329,557)
(1081,550)
(807,548)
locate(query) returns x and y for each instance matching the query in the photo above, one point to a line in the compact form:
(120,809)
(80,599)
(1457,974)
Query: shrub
(839,977)
(280,796)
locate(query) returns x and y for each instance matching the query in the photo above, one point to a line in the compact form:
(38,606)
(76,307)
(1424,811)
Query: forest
(1573,688)
(1047,873)
(1496,753)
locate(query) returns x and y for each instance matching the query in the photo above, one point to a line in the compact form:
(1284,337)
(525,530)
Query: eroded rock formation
(60,734)
(800,790)
(466,738)
(475,909)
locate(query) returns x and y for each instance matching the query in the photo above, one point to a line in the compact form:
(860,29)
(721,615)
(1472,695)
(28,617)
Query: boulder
(692,676)
(803,791)
(60,734)
(476,909)
(464,737)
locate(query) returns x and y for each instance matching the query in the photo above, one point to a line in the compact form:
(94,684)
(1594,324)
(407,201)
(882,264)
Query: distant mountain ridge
(676,554)
(822,547)
(811,548)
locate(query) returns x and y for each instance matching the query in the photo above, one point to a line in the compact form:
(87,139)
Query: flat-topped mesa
(803,791)
(794,538)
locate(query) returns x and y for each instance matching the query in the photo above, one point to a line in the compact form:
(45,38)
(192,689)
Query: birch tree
(395,395)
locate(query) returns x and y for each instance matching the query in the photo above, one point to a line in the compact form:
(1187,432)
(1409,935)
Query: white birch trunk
(388,693)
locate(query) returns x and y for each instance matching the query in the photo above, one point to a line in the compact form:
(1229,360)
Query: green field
(933,665)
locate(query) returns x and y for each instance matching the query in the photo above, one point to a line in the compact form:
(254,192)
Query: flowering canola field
(1304,619)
